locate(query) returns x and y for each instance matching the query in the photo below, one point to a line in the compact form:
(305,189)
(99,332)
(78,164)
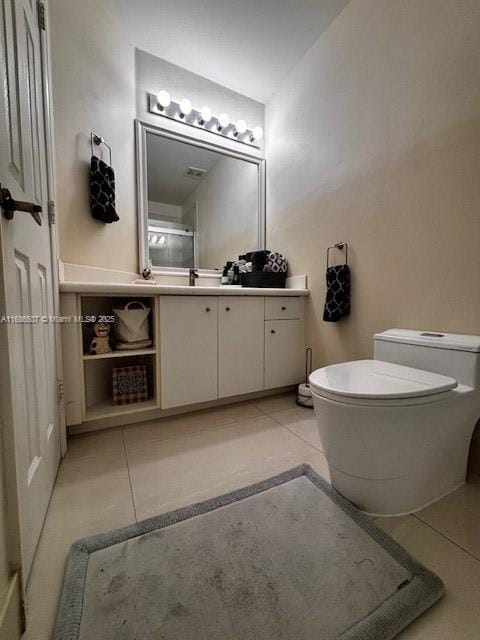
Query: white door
(27,350)
(188,343)
(284,353)
(240,345)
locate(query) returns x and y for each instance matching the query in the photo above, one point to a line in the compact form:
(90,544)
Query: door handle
(9,206)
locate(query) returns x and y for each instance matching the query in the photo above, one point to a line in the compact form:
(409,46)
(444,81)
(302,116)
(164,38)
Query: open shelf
(97,370)
(109,410)
(98,381)
(122,353)
(101,306)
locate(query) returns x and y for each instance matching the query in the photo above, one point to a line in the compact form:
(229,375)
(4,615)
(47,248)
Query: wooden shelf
(122,353)
(109,410)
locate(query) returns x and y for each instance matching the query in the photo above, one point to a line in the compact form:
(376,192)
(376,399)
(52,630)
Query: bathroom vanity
(211,345)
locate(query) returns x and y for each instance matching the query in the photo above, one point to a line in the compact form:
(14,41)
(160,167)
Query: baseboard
(10,611)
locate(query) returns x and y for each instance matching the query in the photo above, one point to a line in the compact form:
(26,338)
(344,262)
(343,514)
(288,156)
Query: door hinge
(51,212)
(60,392)
(42,22)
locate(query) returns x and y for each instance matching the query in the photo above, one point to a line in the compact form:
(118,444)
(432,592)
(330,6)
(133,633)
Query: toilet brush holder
(304,393)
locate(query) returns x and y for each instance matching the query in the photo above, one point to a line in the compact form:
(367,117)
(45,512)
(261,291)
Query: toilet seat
(375,382)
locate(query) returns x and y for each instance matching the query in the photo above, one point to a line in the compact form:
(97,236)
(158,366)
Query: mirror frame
(141,131)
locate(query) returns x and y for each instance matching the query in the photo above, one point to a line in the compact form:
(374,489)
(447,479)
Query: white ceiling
(248,46)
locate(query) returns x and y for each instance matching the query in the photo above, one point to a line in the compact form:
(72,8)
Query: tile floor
(110,478)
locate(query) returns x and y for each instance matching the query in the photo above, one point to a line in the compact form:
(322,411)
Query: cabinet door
(188,342)
(240,345)
(284,353)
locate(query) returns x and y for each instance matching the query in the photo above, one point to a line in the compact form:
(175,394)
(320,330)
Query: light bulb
(240,127)
(205,115)
(161,240)
(153,239)
(185,107)
(163,99)
(257,133)
(223,121)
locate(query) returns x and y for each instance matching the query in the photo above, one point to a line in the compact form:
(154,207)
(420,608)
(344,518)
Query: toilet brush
(304,393)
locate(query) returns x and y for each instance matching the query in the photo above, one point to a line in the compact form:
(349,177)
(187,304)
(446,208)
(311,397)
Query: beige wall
(153,73)
(93,90)
(100,81)
(162,211)
(374,138)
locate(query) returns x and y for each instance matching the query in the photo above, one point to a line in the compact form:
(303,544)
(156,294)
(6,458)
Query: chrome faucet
(192,276)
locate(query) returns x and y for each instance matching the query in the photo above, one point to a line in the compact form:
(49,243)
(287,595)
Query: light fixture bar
(161,104)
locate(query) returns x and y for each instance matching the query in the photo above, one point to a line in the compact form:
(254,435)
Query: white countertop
(176,290)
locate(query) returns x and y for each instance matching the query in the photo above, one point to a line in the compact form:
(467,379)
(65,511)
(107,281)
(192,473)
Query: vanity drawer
(282,308)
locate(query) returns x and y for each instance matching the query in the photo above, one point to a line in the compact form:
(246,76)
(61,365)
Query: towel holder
(98,140)
(340,246)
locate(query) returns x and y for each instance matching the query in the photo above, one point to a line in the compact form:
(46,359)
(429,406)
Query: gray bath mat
(287,558)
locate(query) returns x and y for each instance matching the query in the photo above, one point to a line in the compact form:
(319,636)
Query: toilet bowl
(396,430)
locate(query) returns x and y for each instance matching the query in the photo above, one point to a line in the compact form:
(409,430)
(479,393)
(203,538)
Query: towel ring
(98,140)
(340,246)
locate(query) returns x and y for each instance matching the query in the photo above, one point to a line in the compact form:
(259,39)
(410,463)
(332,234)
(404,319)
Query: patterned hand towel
(337,303)
(102,191)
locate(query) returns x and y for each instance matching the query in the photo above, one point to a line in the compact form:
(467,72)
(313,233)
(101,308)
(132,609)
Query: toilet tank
(450,354)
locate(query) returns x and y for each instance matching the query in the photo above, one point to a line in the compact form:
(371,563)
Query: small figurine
(99,343)
(147,274)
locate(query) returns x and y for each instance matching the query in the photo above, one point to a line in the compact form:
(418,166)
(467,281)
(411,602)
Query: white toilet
(396,430)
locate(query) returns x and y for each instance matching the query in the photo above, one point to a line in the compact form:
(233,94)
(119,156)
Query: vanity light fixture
(163,100)
(161,104)
(205,116)
(223,121)
(185,107)
(257,133)
(240,128)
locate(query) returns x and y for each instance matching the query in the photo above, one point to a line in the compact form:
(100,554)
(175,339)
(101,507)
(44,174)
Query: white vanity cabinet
(240,345)
(284,342)
(284,353)
(206,347)
(189,350)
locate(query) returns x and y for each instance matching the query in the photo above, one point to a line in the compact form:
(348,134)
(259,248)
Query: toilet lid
(377,379)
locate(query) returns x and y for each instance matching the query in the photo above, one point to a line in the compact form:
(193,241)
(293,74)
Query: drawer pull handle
(272,331)
(207,309)
(227,308)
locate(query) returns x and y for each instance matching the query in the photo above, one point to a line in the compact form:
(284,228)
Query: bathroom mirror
(199,204)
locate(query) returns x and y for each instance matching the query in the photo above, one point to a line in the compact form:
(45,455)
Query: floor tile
(271,404)
(457,615)
(176,461)
(458,516)
(181,425)
(171,473)
(92,494)
(302,422)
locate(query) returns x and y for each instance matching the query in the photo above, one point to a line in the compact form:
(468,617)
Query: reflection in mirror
(203,205)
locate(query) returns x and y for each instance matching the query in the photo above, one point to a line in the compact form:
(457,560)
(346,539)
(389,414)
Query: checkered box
(130,384)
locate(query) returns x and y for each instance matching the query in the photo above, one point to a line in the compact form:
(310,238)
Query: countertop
(176,290)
